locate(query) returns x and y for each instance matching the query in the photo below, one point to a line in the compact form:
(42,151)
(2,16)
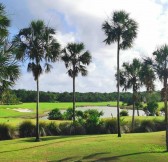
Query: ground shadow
(63,160)
(115,158)
(95,154)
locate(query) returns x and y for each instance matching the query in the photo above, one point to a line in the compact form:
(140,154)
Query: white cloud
(81,20)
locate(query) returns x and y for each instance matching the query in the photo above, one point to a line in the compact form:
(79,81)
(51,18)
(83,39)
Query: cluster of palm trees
(122,29)
(37,45)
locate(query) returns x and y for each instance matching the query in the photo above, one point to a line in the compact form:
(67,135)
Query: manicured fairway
(6,110)
(144,147)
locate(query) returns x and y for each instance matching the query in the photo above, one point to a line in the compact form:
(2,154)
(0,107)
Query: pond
(108,111)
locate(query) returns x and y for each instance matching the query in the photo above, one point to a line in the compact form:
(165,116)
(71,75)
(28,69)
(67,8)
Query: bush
(6,132)
(27,129)
(43,131)
(65,128)
(160,125)
(91,119)
(111,125)
(53,129)
(152,107)
(55,114)
(147,126)
(124,113)
(77,129)
(68,114)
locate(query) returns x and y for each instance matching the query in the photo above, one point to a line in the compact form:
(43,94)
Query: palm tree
(129,78)
(9,70)
(147,77)
(160,65)
(4,22)
(76,59)
(37,45)
(123,30)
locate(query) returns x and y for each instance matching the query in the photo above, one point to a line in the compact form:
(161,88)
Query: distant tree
(123,30)
(76,59)
(37,45)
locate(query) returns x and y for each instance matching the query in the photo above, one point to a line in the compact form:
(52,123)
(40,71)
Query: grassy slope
(131,147)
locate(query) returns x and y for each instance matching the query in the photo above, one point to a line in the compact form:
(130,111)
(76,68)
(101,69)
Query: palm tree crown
(120,28)
(75,60)
(4,22)
(37,44)
(130,75)
(9,70)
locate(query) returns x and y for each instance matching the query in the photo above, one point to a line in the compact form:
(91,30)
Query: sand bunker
(22,110)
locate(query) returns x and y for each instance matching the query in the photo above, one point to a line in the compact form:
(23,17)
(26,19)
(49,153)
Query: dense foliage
(126,97)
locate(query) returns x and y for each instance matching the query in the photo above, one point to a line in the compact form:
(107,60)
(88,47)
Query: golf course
(145,147)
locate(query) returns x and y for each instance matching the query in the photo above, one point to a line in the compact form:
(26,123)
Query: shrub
(65,128)
(55,114)
(77,129)
(6,132)
(160,125)
(27,129)
(43,131)
(111,125)
(68,114)
(147,126)
(124,113)
(92,120)
(152,107)
(53,129)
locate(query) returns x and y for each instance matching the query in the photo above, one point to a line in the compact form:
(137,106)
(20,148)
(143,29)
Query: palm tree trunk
(133,117)
(73,98)
(166,111)
(137,111)
(37,114)
(118,88)
(133,110)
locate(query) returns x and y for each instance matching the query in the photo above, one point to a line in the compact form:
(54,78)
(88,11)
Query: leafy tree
(75,61)
(55,114)
(152,107)
(123,30)
(37,45)
(129,78)
(9,98)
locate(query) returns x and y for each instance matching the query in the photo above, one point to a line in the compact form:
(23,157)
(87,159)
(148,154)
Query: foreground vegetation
(131,147)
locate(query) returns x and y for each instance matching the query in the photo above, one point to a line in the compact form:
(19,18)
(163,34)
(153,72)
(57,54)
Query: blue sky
(80,21)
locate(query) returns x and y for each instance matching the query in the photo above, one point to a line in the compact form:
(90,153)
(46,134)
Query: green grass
(144,147)
(44,107)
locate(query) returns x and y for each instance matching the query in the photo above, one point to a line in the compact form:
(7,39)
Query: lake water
(108,111)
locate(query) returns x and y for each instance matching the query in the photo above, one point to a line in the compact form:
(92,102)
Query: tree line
(30,96)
